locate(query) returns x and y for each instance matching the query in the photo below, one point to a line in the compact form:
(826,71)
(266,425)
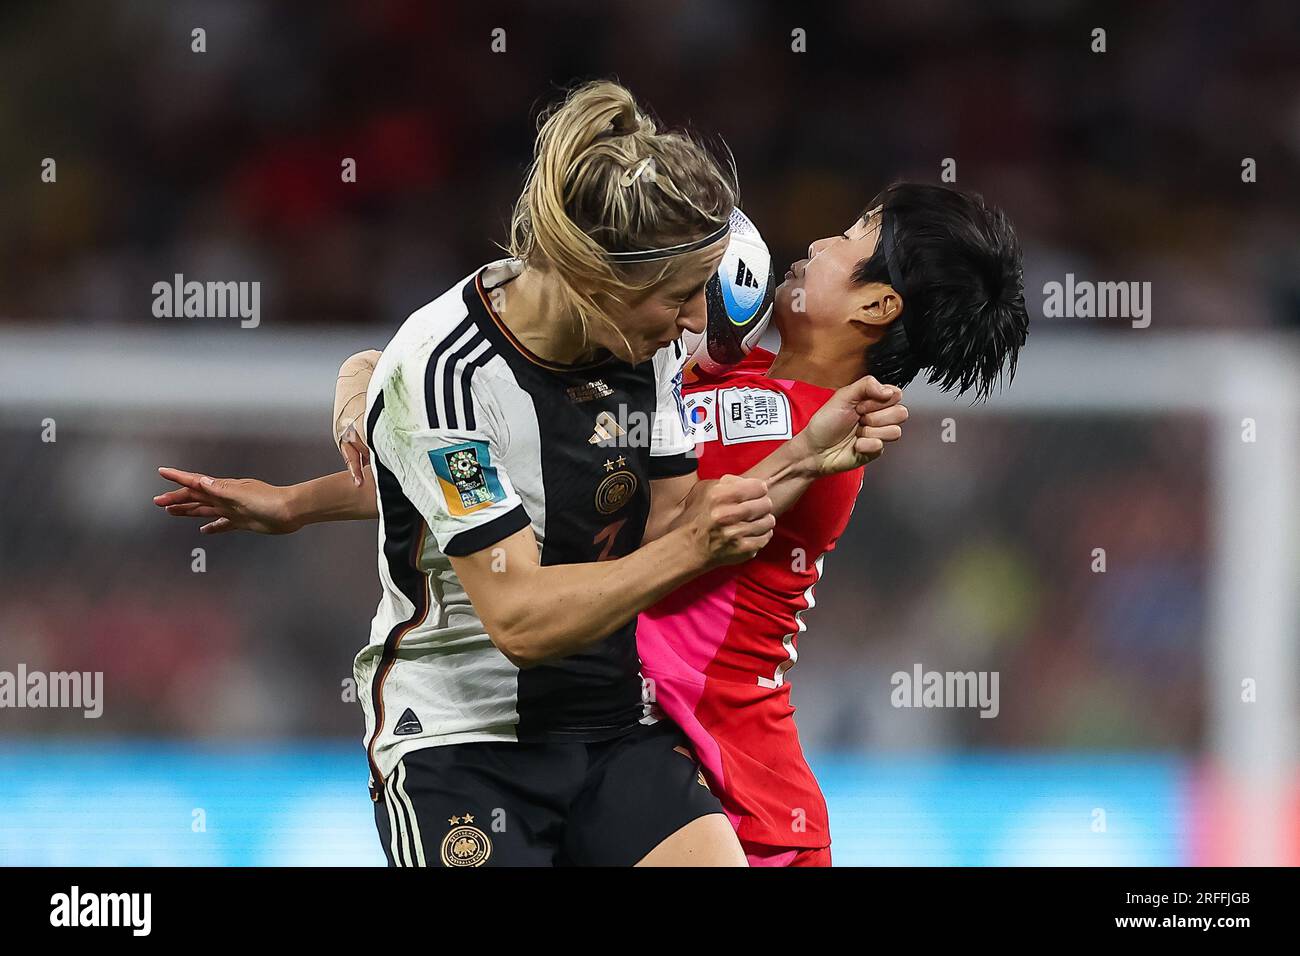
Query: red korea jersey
(720,648)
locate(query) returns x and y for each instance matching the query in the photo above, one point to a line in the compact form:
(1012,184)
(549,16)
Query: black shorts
(541,804)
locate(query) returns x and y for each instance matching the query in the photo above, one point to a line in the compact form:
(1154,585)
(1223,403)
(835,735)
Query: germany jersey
(474,438)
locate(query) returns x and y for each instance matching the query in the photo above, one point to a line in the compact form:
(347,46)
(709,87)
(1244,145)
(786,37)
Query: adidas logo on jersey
(608,429)
(631,428)
(408,724)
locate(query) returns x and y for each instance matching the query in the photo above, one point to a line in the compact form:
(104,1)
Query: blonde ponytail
(605,180)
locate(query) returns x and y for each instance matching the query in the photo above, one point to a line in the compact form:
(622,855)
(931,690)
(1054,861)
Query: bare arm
(335,497)
(246,504)
(532,613)
(535,613)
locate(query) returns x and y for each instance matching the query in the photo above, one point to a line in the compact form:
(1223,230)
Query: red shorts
(760,855)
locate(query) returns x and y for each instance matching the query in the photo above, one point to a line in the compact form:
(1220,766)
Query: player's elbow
(520,649)
(517,637)
(531,627)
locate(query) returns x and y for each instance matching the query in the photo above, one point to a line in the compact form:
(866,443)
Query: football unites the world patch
(752,414)
(467,477)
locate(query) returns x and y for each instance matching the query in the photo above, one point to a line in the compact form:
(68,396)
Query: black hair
(956,262)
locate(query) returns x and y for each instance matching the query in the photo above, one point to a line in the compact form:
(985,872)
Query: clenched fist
(731,520)
(851,429)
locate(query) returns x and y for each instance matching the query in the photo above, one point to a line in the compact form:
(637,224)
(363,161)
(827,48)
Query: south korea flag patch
(701,415)
(752,414)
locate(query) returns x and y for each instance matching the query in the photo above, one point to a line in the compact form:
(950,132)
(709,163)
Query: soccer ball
(739,298)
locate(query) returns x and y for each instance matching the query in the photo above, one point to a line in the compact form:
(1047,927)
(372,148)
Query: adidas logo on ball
(744,277)
(738,298)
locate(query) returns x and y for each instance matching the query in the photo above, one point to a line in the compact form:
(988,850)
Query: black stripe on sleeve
(448,417)
(672,466)
(486,535)
(455,372)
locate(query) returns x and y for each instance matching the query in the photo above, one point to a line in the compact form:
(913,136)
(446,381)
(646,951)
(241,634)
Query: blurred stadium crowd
(1115,165)
(974,555)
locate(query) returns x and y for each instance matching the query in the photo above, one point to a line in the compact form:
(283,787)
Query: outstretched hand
(233,504)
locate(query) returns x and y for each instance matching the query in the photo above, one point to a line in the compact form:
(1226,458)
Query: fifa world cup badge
(466,476)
